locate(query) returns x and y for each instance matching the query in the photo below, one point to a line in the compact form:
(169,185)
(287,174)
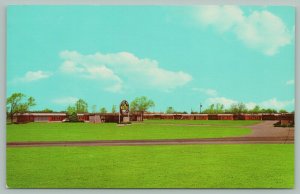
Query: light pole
(200,107)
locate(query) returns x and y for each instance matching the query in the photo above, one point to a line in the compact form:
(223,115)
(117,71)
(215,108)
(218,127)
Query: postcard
(150,96)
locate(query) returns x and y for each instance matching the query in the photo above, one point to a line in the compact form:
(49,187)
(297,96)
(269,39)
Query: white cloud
(272,103)
(222,100)
(259,30)
(34,76)
(65,100)
(222,17)
(276,104)
(206,91)
(290,82)
(87,67)
(116,68)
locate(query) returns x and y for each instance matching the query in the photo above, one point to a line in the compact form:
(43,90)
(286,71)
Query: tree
(219,108)
(114,109)
(73,117)
(71,110)
(214,109)
(256,109)
(94,107)
(283,111)
(103,110)
(170,110)
(16,104)
(141,104)
(269,110)
(81,106)
(210,109)
(233,108)
(72,114)
(7,113)
(238,108)
(242,108)
(46,110)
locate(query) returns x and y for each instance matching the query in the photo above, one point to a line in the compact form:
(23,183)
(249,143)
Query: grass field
(167,166)
(110,131)
(189,166)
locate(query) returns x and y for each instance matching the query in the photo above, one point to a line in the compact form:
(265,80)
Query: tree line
(236,108)
(20,103)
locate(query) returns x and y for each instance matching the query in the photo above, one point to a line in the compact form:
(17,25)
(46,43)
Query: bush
(73,117)
(278,124)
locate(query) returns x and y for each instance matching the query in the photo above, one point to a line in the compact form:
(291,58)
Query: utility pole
(200,107)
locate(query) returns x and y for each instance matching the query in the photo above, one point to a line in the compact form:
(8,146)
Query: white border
(4,3)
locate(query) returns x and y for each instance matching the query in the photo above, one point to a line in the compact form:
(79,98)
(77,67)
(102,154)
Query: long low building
(45,117)
(114,117)
(247,116)
(60,117)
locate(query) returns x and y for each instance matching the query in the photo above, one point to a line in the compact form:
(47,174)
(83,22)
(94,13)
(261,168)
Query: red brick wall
(213,117)
(171,117)
(287,117)
(225,117)
(25,118)
(200,117)
(253,117)
(270,117)
(57,118)
(187,117)
(110,117)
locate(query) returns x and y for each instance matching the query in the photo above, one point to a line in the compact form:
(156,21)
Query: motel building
(44,117)
(61,117)
(114,117)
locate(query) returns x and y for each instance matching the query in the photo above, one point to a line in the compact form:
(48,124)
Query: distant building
(61,117)
(114,117)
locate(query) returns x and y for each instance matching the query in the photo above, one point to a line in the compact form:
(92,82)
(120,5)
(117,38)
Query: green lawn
(110,131)
(188,166)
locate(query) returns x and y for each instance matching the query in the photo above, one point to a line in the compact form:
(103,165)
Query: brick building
(114,117)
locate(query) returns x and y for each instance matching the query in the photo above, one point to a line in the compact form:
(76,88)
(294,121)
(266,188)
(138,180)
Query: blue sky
(178,56)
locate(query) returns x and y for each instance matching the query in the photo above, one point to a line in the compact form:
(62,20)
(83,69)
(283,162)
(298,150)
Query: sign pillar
(124,108)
